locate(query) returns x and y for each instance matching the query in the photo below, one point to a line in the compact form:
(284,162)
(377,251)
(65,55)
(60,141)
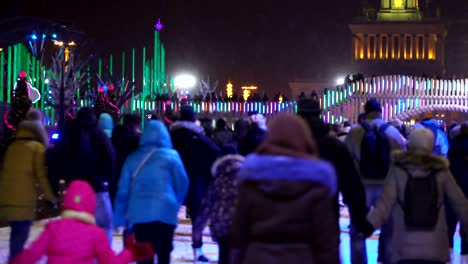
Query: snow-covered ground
(182,243)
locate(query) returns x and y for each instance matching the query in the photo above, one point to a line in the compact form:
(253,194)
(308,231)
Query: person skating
(198,153)
(412,196)
(75,238)
(219,203)
(23,169)
(285,210)
(151,191)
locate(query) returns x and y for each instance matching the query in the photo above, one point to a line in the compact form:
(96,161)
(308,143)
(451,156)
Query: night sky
(263,42)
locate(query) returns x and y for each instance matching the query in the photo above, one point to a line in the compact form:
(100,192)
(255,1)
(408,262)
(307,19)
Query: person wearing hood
(151,190)
(23,169)
(75,238)
(285,210)
(412,196)
(255,135)
(219,203)
(106,124)
(458,157)
(198,154)
(350,185)
(84,152)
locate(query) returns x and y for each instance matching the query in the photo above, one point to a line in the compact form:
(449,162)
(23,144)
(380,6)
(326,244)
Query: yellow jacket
(24,173)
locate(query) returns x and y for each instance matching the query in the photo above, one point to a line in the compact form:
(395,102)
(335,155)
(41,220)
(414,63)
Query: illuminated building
(399,41)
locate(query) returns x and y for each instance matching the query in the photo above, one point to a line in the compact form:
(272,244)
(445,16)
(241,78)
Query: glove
(367,229)
(139,251)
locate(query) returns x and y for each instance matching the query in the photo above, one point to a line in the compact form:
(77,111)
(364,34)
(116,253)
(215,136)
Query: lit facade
(400,41)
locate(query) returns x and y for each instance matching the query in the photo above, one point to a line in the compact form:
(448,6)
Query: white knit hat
(421,139)
(259,120)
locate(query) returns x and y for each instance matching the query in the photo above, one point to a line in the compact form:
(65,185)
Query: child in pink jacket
(75,238)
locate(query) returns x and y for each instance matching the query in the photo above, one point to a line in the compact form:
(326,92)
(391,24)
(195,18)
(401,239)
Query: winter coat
(198,154)
(424,245)
(74,239)
(159,189)
(285,212)
(254,137)
(23,168)
(85,153)
(458,157)
(125,140)
(356,134)
(224,136)
(219,203)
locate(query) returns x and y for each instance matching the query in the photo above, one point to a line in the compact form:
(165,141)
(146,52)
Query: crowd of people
(270,192)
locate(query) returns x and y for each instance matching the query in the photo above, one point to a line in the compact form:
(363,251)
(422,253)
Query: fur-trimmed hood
(192,126)
(224,162)
(32,130)
(419,162)
(284,175)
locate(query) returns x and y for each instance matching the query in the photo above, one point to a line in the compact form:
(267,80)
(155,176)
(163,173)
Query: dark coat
(254,137)
(125,140)
(218,206)
(84,153)
(198,154)
(285,212)
(458,157)
(224,136)
(349,182)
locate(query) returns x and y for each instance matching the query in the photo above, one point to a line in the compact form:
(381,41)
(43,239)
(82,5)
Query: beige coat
(424,245)
(23,172)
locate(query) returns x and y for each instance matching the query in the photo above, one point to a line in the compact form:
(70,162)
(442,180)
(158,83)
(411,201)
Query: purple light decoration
(159,26)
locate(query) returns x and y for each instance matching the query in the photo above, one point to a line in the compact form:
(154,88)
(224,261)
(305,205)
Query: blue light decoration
(54,36)
(34,37)
(55,136)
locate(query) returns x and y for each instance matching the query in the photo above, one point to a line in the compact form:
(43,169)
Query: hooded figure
(23,169)
(106,124)
(75,238)
(409,243)
(150,200)
(285,210)
(198,154)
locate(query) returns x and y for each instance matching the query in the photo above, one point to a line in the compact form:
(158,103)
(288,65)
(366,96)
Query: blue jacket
(159,190)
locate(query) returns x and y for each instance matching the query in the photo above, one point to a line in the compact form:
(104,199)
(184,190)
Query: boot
(198,256)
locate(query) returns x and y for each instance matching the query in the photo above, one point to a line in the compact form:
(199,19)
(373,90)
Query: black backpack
(375,152)
(421,204)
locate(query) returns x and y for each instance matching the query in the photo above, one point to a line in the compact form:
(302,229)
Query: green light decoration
(110,64)
(133,79)
(100,67)
(2,70)
(9,74)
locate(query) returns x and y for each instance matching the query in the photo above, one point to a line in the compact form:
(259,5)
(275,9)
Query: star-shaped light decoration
(159,26)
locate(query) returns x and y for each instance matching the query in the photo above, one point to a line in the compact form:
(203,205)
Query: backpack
(421,204)
(375,152)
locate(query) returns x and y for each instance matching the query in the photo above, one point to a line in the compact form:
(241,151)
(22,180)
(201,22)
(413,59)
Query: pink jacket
(74,239)
(70,241)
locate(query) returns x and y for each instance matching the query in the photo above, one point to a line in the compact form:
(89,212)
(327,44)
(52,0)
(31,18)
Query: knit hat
(308,107)
(106,124)
(373,106)
(187,113)
(79,202)
(259,121)
(289,135)
(421,139)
